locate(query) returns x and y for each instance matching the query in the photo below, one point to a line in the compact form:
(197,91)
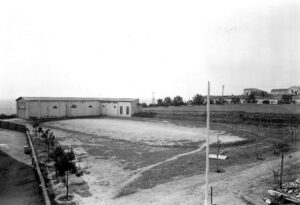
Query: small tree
(251,99)
(160,102)
(177,101)
(197,100)
(167,101)
(48,138)
(56,155)
(144,105)
(266,101)
(287,99)
(40,131)
(280,149)
(218,152)
(64,163)
(35,126)
(235,100)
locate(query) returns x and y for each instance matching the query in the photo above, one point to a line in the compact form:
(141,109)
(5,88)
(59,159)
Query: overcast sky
(131,48)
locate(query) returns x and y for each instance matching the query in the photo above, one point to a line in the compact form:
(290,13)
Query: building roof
(76,99)
(280,89)
(294,87)
(254,89)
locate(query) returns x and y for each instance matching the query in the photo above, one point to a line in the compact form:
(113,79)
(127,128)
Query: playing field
(151,133)
(127,160)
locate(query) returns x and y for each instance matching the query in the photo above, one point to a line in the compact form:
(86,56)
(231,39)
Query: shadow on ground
(18,183)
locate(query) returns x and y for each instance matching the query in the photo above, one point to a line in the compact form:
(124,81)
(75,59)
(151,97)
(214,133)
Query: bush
(266,102)
(144,105)
(197,100)
(167,101)
(177,101)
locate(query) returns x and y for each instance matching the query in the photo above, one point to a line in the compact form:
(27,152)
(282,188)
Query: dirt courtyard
(151,133)
(130,161)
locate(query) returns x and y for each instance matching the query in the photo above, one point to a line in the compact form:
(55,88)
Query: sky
(132,48)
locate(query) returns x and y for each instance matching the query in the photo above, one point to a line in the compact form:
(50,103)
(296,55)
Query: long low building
(62,107)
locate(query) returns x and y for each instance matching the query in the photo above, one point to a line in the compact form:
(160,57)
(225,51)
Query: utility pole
(218,146)
(153,99)
(222,94)
(207,144)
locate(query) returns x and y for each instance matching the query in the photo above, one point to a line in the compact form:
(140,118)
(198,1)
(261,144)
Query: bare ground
(111,162)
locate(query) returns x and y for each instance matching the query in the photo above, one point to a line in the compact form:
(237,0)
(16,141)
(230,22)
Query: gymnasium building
(62,107)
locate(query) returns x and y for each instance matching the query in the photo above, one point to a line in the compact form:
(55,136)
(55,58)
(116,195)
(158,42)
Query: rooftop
(76,99)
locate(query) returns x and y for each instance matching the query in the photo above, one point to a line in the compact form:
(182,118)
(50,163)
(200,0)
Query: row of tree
(63,159)
(200,100)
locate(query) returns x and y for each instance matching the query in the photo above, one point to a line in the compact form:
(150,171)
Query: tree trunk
(67,184)
(281,171)
(48,151)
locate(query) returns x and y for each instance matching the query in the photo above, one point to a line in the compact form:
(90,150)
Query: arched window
(73,106)
(121,110)
(127,110)
(90,106)
(54,107)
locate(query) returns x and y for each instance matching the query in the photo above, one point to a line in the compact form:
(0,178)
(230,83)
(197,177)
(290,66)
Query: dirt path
(139,173)
(248,185)
(18,184)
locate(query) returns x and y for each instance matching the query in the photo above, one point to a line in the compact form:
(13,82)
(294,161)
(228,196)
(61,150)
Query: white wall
(61,108)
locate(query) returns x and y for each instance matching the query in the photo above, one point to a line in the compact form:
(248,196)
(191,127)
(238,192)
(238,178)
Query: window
(121,110)
(127,110)
(114,106)
(90,106)
(22,105)
(54,107)
(103,105)
(73,106)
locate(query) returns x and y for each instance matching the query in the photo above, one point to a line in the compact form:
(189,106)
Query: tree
(167,101)
(235,100)
(177,101)
(197,100)
(218,152)
(287,99)
(251,99)
(64,163)
(144,105)
(56,155)
(40,130)
(160,102)
(35,127)
(280,149)
(48,139)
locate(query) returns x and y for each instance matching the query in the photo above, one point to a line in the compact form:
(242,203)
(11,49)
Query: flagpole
(207,144)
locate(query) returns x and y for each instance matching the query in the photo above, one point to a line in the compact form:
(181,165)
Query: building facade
(294,90)
(48,107)
(279,91)
(254,91)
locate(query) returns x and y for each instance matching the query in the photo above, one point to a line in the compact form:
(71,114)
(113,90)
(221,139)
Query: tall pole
(222,94)
(207,144)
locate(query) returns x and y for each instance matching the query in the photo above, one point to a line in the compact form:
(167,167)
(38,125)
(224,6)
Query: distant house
(254,91)
(294,90)
(273,100)
(296,99)
(281,91)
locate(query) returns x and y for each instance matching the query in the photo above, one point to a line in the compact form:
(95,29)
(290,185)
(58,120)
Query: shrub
(197,100)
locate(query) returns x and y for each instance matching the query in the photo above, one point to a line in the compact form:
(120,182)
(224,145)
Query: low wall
(12,126)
